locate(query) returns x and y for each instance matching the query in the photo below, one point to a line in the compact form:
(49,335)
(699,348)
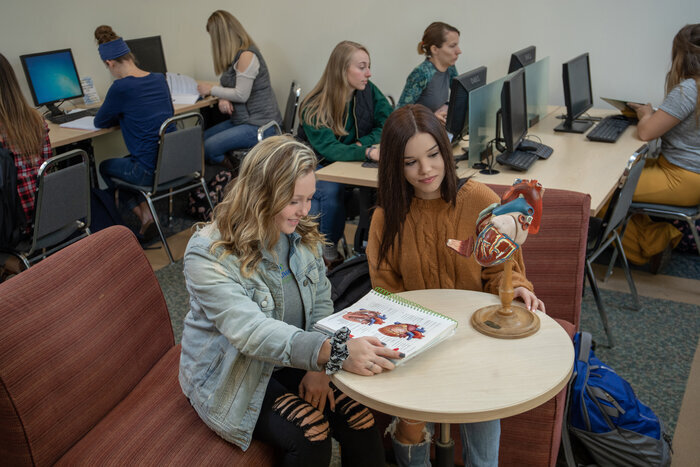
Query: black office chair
(290,112)
(180,167)
(603,232)
(62,207)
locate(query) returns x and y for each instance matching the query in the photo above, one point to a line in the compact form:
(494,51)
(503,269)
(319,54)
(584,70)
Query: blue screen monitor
(148,52)
(52,77)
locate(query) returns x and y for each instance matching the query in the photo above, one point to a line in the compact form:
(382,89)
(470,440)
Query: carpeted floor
(654,347)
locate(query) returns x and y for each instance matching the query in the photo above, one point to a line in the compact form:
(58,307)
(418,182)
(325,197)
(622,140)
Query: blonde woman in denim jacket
(251,365)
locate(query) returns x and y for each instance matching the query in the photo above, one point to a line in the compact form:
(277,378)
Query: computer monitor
(457,121)
(513,113)
(148,52)
(521,58)
(52,77)
(578,96)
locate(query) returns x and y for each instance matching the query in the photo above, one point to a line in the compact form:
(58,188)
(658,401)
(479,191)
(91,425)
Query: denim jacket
(234,335)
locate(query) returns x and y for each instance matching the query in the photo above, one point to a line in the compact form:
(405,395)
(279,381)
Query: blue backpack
(607,419)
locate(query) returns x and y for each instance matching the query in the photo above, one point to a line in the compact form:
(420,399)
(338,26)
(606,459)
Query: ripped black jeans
(304,434)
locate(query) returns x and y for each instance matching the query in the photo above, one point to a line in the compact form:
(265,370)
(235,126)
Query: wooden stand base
(515,323)
(506,321)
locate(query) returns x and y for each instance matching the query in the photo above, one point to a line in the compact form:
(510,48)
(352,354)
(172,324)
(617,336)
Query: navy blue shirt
(139,106)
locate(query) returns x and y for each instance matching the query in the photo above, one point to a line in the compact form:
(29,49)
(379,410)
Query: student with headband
(139,102)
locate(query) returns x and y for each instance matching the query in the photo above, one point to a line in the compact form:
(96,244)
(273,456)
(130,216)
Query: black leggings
(304,434)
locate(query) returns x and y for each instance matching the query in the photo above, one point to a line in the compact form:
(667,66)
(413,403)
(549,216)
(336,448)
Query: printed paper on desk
(183,88)
(184,99)
(84,123)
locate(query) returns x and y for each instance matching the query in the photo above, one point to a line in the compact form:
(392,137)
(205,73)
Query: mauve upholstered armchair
(554,262)
(88,366)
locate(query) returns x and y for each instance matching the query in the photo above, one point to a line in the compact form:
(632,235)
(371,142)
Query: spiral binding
(404,301)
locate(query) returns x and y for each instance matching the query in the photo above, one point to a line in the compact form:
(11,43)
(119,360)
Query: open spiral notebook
(399,323)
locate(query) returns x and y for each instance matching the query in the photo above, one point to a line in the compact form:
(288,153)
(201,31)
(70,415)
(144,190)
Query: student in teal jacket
(342,119)
(429,83)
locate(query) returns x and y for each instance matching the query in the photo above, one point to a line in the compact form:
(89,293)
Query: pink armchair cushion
(156,425)
(88,367)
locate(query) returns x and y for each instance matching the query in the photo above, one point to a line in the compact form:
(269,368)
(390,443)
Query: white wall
(296,37)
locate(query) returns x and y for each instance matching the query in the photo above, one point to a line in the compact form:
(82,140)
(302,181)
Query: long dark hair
(394,193)
(22,126)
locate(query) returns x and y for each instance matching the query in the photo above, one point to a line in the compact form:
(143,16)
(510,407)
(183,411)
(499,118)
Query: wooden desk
(469,377)
(576,164)
(62,136)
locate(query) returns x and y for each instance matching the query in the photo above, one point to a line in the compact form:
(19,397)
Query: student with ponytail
(139,102)
(429,83)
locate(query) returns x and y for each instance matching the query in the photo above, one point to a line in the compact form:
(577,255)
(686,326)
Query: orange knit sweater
(423,260)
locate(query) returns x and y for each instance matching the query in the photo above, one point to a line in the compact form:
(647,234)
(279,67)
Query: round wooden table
(469,377)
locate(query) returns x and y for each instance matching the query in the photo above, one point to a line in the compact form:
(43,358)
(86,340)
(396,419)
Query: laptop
(622,106)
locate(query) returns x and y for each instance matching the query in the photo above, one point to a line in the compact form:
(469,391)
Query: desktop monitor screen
(578,95)
(521,58)
(52,76)
(514,110)
(148,52)
(458,108)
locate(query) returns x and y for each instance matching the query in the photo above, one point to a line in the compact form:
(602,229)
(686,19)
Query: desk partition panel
(485,102)
(537,90)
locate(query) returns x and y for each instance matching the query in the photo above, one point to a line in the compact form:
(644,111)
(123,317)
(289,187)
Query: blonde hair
(265,185)
(325,105)
(104,34)
(685,61)
(228,36)
(22,126)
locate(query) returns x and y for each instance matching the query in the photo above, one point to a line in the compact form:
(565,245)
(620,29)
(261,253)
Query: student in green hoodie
(342,119)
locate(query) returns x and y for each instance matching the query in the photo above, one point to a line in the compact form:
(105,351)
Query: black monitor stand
(575,126)
(54,111)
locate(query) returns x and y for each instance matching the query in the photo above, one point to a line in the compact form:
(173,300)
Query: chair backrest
(62,205)
(555,257)
(78,331)
(622,196)
(290,111)
(180,152)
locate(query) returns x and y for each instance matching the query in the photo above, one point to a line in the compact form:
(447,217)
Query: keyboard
(609,129)
(542,151)
(517,160)
(65,118)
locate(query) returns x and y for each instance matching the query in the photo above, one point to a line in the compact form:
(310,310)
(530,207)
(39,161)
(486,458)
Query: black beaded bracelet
(339,350)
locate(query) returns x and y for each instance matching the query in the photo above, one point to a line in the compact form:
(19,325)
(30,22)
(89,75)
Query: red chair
(89,369)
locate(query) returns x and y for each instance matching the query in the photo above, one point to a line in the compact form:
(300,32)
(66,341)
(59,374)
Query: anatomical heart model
(501,229)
